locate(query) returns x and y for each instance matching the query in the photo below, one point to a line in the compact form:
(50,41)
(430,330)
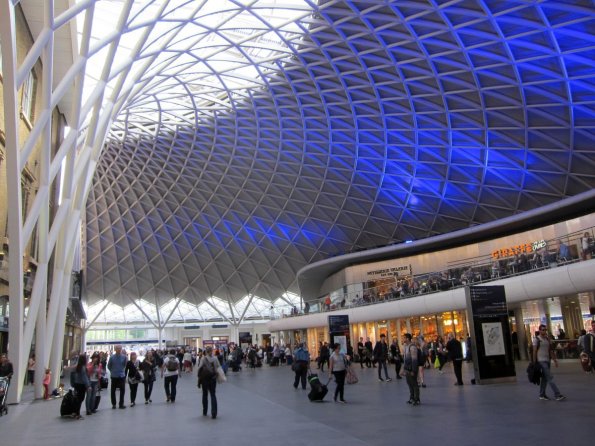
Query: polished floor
(260,407)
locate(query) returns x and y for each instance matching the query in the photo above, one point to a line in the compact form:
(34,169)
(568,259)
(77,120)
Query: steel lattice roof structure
(235,142)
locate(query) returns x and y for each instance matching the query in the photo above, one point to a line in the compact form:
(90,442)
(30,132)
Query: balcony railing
(573,247)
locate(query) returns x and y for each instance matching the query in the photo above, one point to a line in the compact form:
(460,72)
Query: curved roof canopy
(255,137)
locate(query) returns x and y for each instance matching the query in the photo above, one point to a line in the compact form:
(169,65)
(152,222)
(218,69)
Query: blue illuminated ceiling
(385,122)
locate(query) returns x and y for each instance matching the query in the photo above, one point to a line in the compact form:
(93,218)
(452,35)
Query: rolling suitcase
(317,390)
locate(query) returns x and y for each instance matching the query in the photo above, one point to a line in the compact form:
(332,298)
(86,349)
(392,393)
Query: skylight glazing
(250,141)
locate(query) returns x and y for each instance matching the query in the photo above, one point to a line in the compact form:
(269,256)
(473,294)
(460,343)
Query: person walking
(323,356)
(368,351)
(455,354)
(134,377)
(361,352)
(207,379)
(94,372)
(381,356)
(396,354)
(170,372)
(544,354)
(148,367)
(411,369)
(117,367)
(338,368)
(422,357)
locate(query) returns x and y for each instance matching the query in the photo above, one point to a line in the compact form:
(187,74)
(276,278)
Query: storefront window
(428,326)
(454,322)
(371,332)
(382,329)
(393,328)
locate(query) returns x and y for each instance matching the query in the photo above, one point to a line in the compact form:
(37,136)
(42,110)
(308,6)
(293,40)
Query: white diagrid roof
(251,138)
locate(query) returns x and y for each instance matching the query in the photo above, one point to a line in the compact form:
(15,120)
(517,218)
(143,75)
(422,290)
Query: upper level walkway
(570,278)
(260,407)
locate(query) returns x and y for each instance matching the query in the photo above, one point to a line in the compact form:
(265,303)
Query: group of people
(88,377)
(338,364)
(409,364)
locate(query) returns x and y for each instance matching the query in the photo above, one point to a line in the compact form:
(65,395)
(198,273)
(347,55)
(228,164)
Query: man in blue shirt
(117,367)
(301,365)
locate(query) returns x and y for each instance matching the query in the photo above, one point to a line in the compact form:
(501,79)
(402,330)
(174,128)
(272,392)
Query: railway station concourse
(184,173)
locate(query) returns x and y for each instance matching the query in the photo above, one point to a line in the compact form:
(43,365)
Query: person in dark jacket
(148,367)
(6,369)
(381,356)
(80,381)
(368,351)
(133,375)
(323,356)
(455,354)
(396,354)
(207,379)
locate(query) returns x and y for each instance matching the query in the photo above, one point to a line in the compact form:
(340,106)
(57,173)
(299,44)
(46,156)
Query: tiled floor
(260,407)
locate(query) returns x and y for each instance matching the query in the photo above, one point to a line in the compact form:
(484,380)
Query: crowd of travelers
(119,370)
(89,374)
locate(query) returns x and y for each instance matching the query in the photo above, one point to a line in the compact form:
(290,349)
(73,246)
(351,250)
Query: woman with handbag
(207,379)
(134,376)
(147,367)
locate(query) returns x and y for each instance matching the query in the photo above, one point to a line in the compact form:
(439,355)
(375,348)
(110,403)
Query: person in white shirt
(170,372)
(543,353)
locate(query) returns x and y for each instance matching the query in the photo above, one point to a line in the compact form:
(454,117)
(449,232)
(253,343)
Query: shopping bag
(221,378)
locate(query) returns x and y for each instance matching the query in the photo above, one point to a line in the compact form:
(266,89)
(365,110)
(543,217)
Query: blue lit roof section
(352,125)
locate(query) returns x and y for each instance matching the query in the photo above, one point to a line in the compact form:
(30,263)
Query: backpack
(172,364)
(206,372)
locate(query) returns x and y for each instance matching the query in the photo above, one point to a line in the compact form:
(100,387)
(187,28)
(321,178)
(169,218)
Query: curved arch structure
(215,152)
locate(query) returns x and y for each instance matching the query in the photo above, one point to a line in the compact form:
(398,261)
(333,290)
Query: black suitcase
(68,405)
(317,390)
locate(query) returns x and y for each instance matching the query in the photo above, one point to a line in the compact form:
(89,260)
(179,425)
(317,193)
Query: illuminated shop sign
(518,249)
(391,272)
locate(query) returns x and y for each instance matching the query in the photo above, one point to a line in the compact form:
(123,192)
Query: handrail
(475,270)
